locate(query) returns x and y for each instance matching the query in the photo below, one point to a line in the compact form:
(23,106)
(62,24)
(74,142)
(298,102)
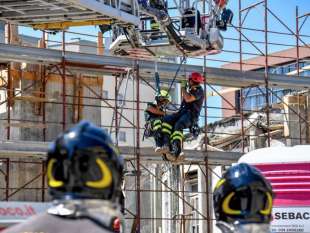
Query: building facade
(283,62)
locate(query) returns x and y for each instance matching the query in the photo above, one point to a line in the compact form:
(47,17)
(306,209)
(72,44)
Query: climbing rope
(176,73)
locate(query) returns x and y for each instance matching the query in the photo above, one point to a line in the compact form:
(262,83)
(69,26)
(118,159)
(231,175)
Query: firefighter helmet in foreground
(243,200)
(83,163)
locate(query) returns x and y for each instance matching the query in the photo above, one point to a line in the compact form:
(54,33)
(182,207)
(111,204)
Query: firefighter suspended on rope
(154,113)
(171,135)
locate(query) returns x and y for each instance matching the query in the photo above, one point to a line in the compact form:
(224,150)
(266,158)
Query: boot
(175,148)
(164,147)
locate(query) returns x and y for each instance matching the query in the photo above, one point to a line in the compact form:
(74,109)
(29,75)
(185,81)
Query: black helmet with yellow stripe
(243,196)
(83,163)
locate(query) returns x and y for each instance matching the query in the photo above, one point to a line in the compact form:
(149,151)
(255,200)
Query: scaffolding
(82,73)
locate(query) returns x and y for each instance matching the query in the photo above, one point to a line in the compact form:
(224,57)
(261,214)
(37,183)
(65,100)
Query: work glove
(184,84)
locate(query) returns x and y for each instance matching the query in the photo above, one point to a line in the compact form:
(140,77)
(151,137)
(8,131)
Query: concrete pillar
(166,203)
(295,127)
(257,140)
(175,180)
(202,207)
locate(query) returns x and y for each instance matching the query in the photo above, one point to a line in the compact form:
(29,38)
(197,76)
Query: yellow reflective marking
(157,122)
(179,133)
(106,179)
(219,183)
(156,127)
(176,137)
(167,125)
(226,208)
(164,130)
(268,209)
(52,182)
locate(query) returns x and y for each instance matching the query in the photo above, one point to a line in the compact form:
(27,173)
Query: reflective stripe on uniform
(156,122)
(168,126)
(156,127)
(167,131)
(177,135)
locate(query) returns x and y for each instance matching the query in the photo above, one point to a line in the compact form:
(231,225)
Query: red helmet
(196,77)
(220,3)
(116,225)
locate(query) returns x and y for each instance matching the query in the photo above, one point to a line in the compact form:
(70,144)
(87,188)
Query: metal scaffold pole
(207,181)
(116,90)
(298,72)
(9,88)
(43,84)
(138,204)
(43,182)
(266,73)
(241,68)
(63,81)
(7,179)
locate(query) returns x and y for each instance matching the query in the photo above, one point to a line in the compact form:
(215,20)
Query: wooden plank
(33,99)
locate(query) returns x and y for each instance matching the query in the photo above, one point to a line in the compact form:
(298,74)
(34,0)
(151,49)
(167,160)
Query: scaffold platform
(104,64)
(38,12)
(28,149)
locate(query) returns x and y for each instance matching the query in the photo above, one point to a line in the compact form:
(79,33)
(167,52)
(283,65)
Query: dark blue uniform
(154,123)
(188,114)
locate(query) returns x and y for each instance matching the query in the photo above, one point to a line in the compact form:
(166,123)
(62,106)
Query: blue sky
(285,10)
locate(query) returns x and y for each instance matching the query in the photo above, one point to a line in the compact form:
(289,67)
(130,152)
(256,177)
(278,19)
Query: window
(122,136)
(105,94)
(306,73)
(285,70)
(279,70)
(120,100)
(275,98)
(194,187)
(253,103)
(195,222)
(247,103)
(272,70)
